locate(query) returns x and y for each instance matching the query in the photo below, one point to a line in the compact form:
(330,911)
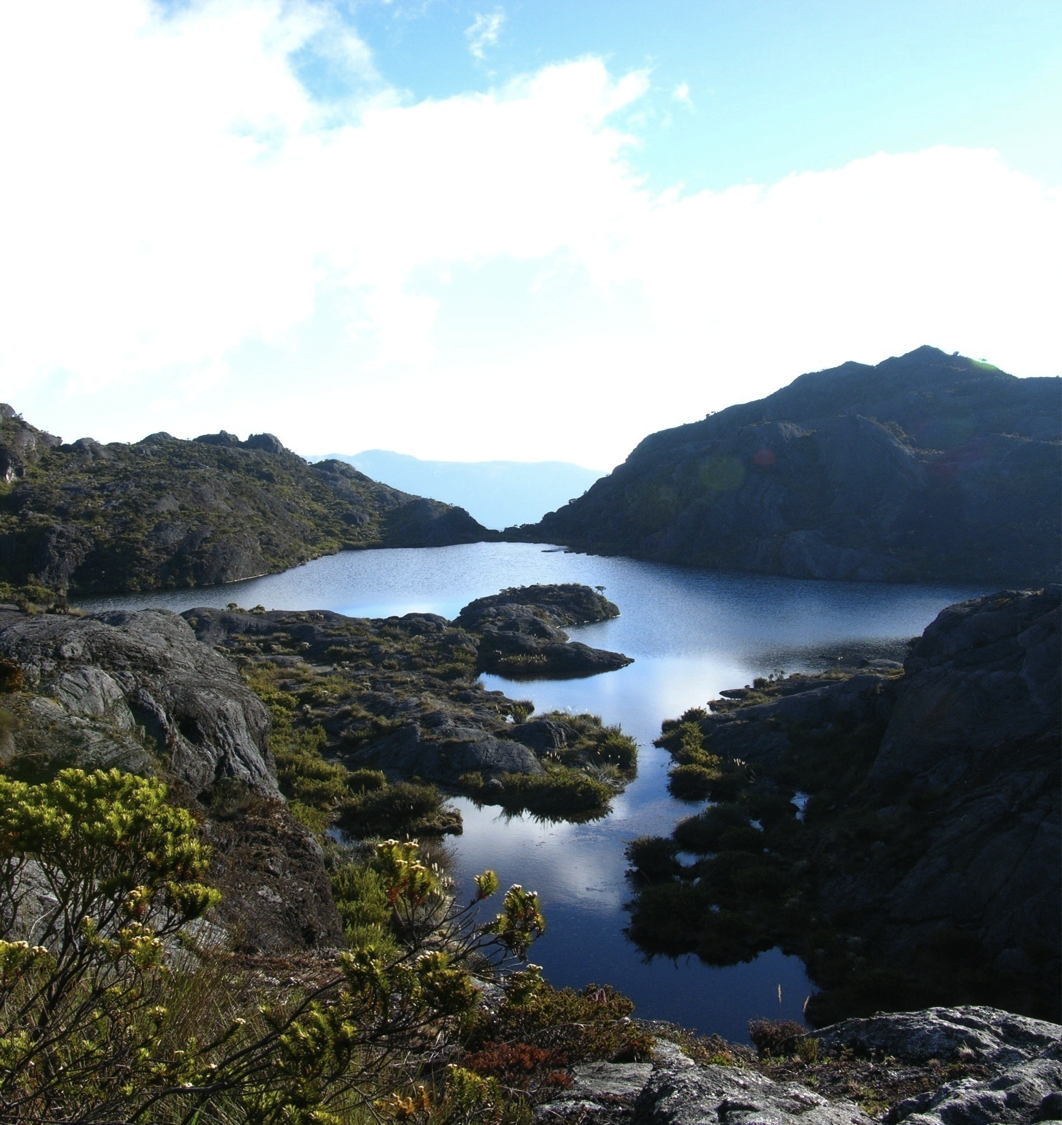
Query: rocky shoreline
(898,827)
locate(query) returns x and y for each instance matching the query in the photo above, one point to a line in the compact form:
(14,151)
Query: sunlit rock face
(136,691)
(925,467)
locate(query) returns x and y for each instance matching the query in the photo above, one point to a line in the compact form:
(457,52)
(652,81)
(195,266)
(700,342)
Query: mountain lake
(692,633)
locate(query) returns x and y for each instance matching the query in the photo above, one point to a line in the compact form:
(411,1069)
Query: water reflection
(692,633)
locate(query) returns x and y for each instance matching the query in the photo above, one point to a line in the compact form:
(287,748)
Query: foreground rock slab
(146,675)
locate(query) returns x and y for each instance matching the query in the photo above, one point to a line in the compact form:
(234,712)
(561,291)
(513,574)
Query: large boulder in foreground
(146,672)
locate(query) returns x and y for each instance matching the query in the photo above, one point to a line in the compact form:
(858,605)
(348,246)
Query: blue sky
(775,86)
(530,230)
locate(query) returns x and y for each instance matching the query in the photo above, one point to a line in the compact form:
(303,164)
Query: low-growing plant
(406,809)
(521,710)
(654,857)
(691,783)
(777,1037)
(591,1023)
(560,789)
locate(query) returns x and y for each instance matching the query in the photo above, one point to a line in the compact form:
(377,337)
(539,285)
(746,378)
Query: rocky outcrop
(1010,1066)
(145,673)
(276,894)
(681,1093)
(138,692)
(987,1035)
(567,603)
(164,512)
(924,467)
(521,634)
(973,738)
(1023,1058)
(20,444)
(445,751)
(924,850)
(401,695)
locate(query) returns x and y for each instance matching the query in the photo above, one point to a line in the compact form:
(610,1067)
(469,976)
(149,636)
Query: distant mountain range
(925,467)
(496,493)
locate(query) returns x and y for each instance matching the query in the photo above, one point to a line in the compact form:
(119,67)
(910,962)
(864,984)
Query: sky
(526,230)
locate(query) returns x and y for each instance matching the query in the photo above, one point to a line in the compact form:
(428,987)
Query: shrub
(589,1024)
(702,834)
(560,789)
(96,1024)
(691,783)
(522,710)
(405,809)
(616,749)
(653,857)
(520,1066)
(777,1037)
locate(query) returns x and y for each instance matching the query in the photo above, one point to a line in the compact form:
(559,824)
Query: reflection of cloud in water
(565,863)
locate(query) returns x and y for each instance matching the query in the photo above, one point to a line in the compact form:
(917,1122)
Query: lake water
(692,633)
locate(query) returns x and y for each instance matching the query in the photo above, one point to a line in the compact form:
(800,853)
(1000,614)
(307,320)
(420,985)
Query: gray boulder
(443,753)
(681,1093)
(988,1035)
(1024,1094)
(146,670)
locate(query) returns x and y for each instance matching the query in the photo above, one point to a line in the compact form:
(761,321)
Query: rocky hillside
(87,517)
(925,467)
(137,692)
(902,832)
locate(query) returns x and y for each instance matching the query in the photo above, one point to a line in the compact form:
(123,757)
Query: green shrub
(616,749)
(691,783)
(97,1024)
(405,809)
(560,789)
(522,710)
(592,1023)
(654,857)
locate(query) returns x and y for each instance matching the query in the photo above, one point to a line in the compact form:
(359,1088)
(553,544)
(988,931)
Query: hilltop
(87,517)
(925,467)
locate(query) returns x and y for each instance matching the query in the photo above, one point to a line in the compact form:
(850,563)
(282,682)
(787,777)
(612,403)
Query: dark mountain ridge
(166,512)
(924,467)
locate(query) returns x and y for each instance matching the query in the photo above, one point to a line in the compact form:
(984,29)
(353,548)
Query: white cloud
(484,31)
(477,276)
(681,94)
